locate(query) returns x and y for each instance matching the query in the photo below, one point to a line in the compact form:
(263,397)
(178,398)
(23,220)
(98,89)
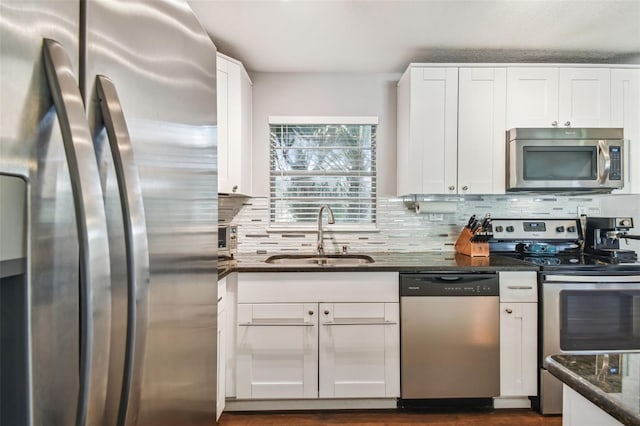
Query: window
(323,160)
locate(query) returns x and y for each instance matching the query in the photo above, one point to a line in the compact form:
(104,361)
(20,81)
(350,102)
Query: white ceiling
(386,35)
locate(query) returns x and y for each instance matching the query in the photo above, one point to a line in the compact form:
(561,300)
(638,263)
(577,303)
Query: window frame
(312,226)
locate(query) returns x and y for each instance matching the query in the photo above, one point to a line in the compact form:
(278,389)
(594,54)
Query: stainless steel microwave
(572,159)
(227,240)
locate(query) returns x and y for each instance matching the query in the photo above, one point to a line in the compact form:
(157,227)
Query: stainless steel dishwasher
(449,333)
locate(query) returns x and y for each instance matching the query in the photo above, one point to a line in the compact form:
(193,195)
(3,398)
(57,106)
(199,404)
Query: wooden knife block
(466,247)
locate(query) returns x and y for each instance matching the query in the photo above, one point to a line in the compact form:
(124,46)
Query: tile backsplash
(399,227)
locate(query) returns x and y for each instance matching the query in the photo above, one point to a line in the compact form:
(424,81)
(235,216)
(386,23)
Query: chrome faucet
(331,220)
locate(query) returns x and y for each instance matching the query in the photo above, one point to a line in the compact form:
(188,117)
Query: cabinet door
(584,97)
(222,85)
(277,351)
(432,152)
(625,113)
(222,355)
(518,349)
(359,350)
(481,130)
(234,127)
(532,97)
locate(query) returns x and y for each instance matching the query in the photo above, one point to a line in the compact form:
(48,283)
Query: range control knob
(571,229)
(559,228)
(499,228)
(510,228)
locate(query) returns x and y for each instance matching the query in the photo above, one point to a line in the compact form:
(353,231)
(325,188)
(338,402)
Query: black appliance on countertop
(587,288)
(603,235)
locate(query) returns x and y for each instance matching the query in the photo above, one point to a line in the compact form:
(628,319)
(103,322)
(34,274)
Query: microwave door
(564,165)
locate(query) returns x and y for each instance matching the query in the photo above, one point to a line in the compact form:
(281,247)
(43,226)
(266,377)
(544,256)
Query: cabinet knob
(326,312)
(235,188)
(451,188)
(464,188)
(508,310)
(554,123)
(567,123)
(310,312)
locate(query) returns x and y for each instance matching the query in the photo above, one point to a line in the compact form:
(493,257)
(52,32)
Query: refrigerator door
(95,280)
(162,65)
(31,147)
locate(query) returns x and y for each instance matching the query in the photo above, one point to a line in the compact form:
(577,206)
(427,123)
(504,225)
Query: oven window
(560,163)
(599,320)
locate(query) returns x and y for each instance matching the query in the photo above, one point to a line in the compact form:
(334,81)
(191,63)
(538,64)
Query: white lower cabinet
(307,349)
(518,334)
(277,351)
(222,349)
(579,411)
(358,348)
(518,357)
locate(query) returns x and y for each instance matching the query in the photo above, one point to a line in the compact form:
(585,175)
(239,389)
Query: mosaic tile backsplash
(399,227)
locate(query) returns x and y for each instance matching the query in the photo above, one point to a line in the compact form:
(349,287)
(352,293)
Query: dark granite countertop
(400,262)
(610,381)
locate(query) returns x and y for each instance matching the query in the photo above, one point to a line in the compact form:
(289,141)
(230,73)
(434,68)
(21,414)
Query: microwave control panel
(615,170)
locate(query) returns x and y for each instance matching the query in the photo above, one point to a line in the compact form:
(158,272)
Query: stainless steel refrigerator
(109,214)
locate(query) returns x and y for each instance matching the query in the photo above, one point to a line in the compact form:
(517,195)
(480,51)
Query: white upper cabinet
(625,113)
(427,131)
(481,130)
(532,97)
(562,97)
(451,130)
(234,126)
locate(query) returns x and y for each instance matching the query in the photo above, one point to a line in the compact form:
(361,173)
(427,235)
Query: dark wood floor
(390,418)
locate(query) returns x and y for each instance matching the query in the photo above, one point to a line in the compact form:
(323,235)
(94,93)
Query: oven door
(590,313)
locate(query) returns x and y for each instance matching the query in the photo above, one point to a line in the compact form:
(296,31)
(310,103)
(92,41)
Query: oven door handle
(593,278)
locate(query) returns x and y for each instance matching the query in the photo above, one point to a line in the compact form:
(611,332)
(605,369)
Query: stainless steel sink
(314,259)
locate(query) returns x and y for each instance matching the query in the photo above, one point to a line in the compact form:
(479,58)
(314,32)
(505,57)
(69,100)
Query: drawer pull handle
(276,324)
(520,287)
(361,323)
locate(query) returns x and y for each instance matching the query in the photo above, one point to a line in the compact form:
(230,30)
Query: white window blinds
(330,163)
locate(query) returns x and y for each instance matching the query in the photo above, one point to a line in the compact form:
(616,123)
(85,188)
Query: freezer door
(162,65)
(31,147)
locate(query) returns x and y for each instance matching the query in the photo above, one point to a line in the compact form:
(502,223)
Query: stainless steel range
(589,299)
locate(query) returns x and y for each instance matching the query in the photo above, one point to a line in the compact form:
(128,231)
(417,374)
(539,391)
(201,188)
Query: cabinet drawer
(281,314)
(311,287)
(518,286)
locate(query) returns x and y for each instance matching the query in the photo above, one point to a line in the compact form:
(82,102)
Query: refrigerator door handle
(95,280)
(136,246)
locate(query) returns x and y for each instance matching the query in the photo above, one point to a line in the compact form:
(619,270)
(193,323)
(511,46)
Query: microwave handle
(604,152)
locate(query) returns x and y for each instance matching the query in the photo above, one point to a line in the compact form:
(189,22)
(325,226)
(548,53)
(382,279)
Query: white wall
(325,94)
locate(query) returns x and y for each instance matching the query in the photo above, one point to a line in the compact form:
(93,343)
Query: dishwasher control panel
(449,285)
